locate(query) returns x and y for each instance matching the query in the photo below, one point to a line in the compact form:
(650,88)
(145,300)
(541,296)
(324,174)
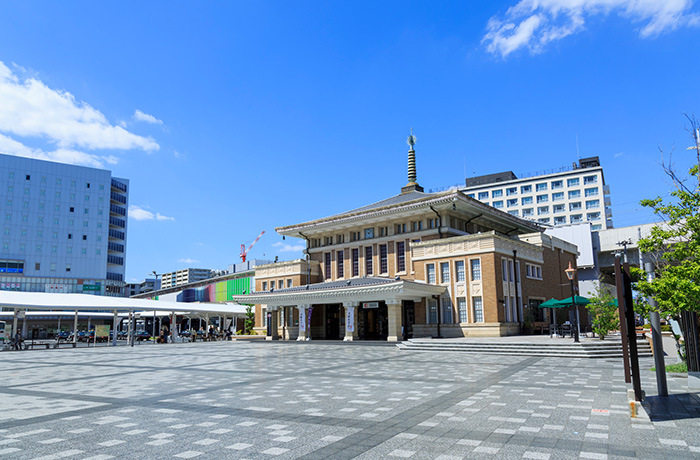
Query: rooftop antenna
(578,155)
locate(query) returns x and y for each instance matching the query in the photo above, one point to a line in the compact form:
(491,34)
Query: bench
(32,345)
(541,326)
(58,344)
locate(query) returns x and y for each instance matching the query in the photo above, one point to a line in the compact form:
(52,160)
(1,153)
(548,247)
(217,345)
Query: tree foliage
(604,312)
(249,319)
(677,241)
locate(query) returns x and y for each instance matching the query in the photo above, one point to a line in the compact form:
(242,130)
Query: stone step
(561,350)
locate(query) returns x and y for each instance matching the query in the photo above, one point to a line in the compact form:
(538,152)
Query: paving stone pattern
(318,401)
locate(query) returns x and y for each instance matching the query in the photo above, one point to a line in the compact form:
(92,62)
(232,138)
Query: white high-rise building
(565,196)
(185,276)
(63,228)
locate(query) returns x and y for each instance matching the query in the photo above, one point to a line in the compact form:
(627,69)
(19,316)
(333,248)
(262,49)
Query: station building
(413,265)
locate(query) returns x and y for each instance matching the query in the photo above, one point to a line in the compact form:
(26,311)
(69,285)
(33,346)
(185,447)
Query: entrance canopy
(86,302)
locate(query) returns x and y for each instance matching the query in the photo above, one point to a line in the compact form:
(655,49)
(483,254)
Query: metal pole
(656,340)
(632,333)
(14,323)
(573,303)
(621,312)
(154,326)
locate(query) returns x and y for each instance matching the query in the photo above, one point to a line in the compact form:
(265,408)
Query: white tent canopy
(86,302)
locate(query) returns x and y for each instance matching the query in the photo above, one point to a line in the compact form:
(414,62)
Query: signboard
(101,331)
(57,288)
(91,287)
(21,314)
(350,319)
(370,304)
(302,321)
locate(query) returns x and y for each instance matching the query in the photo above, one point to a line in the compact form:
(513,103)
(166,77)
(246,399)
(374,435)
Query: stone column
(115,321)
(274,315)
(350,322)
(394,315)
(75,327)
(303,323)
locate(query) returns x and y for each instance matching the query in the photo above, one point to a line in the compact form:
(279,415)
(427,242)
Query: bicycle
(21,345)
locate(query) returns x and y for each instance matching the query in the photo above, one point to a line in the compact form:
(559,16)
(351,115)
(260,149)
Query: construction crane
(244,251)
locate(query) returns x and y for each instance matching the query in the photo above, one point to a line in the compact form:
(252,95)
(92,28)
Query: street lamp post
(570,274)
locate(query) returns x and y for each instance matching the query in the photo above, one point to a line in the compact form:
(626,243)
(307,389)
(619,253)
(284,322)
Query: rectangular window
(557,208)
(513,213)
(544,220)
(590,180)
(592,191)
(526,200)
(541,187)
(355,262)
(574,194)
(462,309)
(560,220)
(446,310)
(280,284)
(504,269)
(510,271)
(575,206)
(497,194)
(430,273)
(444,272)
(573,182)
(383,259)
(557,184)
(542,210)
(498,204)
(264,285)
(289,282)
(478,309)
(591,216)
(340,269)
(512,191)
(542,198)
(432,311)
(401,256)
(526,189)
(459,269)
(483,195)
(475,269)
(528,212)
(368,260)
(327,264)
(558,196)
(592,204)
(575,218)
(512,202)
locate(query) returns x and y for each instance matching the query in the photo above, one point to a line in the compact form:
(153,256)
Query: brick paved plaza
(317,401)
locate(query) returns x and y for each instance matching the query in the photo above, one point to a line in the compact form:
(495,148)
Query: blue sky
(230,118)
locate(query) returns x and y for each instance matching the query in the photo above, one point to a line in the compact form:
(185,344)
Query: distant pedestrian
(18,341)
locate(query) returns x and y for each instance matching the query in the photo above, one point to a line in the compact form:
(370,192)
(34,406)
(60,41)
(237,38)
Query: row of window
(54,249)
(559,220)
(59,181)
(541,187)
(476,316)
(475,271)
(279,284)
(40,234)
(368,259)
(40,220)
(42,192)
(369,233)
(513,202)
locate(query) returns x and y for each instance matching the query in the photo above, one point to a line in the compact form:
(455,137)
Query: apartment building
(185,276)
(568,196)
(63,228)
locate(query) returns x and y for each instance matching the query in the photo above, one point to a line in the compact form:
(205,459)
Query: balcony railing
(117,222)
(116,234)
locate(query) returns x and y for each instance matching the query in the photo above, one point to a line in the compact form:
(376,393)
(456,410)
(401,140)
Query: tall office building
(63,228)
(565,196)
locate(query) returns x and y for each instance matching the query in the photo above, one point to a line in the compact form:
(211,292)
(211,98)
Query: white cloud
(32,109)
(10,146)
(533,24)
(138,213)
(288,247)
(188,261)
(140,116)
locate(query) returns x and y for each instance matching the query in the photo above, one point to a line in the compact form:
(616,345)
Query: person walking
(18,341)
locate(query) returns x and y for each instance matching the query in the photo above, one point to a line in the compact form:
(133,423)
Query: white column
(115,320)
(350,322)
(75,328)
(14,323)
(393,308)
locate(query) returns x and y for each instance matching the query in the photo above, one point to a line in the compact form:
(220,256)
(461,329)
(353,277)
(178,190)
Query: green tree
(676,243)
(249,319)
(604,312)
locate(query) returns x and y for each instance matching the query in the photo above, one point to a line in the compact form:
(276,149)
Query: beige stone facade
(413,265)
